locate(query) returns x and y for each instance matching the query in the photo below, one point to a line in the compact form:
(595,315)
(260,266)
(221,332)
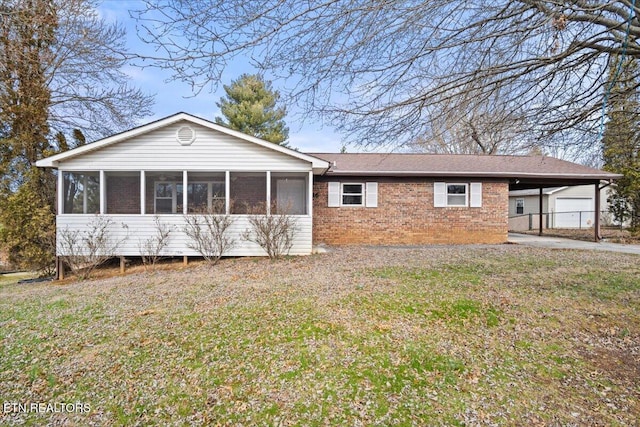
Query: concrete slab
(561,243)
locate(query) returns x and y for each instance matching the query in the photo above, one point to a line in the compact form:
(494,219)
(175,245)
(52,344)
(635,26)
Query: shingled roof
(522,171)
(377,164)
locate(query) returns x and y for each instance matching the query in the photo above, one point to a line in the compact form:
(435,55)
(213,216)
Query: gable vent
(186,135)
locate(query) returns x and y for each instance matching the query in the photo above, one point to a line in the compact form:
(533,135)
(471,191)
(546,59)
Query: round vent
(185,135)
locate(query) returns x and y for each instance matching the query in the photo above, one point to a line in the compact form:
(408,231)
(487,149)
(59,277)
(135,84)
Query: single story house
(562,207)
(177,165)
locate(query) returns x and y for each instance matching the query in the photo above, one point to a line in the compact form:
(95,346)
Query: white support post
(85,196)
(227,192)
(103,193)
(310,195)
(60,192)
(268,192)
(185,193)
(143,192)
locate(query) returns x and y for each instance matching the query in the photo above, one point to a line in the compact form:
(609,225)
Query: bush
(273,233)
(207,231)
(151,248)
(84,250)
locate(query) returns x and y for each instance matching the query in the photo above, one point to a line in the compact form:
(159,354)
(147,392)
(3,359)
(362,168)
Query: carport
(557,173)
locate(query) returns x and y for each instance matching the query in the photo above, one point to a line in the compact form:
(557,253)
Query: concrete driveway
(560,243)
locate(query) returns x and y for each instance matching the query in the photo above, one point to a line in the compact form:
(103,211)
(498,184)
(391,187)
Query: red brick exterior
(406,215)
(123,194)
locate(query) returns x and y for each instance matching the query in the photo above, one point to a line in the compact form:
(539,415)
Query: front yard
(478,335)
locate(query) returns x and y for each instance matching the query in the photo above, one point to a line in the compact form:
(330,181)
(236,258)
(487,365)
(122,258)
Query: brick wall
(405,215)
(248,192)
(123,194)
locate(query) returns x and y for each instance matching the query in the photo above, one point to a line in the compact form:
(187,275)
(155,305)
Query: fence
(574,219)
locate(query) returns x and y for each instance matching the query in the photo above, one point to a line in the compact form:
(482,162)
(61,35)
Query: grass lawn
(477,335)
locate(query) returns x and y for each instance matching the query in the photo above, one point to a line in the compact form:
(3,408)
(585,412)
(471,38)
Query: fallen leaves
(482,335)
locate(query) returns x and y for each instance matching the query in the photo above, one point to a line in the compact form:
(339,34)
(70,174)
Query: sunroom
(152,174)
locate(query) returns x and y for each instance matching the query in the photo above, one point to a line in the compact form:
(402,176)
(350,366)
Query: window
(519,206)
(289,193)
(457,194)
(81,192)
(206,195)
(352,194)
(168,197)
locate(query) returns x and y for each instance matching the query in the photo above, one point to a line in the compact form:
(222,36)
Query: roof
(536,192)
(53,161)
(533,171)
(456,165)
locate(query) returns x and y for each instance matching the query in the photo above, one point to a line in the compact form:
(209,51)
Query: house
(562,207)
(180,164)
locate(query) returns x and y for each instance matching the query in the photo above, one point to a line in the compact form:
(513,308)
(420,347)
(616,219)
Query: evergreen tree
(250,106)
(27,33)
(60,69)
(621,140)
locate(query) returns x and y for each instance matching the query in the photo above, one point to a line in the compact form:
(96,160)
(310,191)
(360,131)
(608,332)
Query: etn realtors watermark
(45,408)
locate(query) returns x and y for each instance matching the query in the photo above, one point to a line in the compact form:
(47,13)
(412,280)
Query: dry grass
(611,234)
(475,335)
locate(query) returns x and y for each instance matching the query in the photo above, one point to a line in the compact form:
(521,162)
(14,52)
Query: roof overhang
(318,165)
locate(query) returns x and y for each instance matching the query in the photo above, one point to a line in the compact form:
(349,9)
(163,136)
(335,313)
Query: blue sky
(172,97)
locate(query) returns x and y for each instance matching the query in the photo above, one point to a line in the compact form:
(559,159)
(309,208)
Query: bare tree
(380,70)
(151,248)
(208,233)
(85,250)
(89,89)
(80,67)
(475,127)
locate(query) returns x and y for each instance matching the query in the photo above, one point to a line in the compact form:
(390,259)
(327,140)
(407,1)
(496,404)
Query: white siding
(141,227)
(160,150)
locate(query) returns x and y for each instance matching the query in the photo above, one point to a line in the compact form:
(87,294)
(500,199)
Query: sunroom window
(289,193)
(163,192)
(81,192)
(206,192)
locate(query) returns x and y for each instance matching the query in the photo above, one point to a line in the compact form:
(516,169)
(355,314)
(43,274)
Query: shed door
(574,212)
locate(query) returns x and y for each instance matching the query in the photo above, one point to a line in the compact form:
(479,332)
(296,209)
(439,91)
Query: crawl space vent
(185,135)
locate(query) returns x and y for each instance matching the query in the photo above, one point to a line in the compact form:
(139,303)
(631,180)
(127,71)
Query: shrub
(151,248)
(207,231)
(272,232)
(84,250)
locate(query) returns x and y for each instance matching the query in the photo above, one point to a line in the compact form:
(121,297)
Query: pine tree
(250,106)
(621,141)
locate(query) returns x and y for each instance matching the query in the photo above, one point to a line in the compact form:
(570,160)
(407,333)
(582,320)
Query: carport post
(596,219)
(540,213)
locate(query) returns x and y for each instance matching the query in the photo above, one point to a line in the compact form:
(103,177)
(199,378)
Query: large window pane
(81,192)
(206,192)
(163,192)
(289,193)
(248,192)
(123,192)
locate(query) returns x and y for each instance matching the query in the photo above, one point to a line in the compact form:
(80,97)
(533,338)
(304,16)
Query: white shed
(562,207)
